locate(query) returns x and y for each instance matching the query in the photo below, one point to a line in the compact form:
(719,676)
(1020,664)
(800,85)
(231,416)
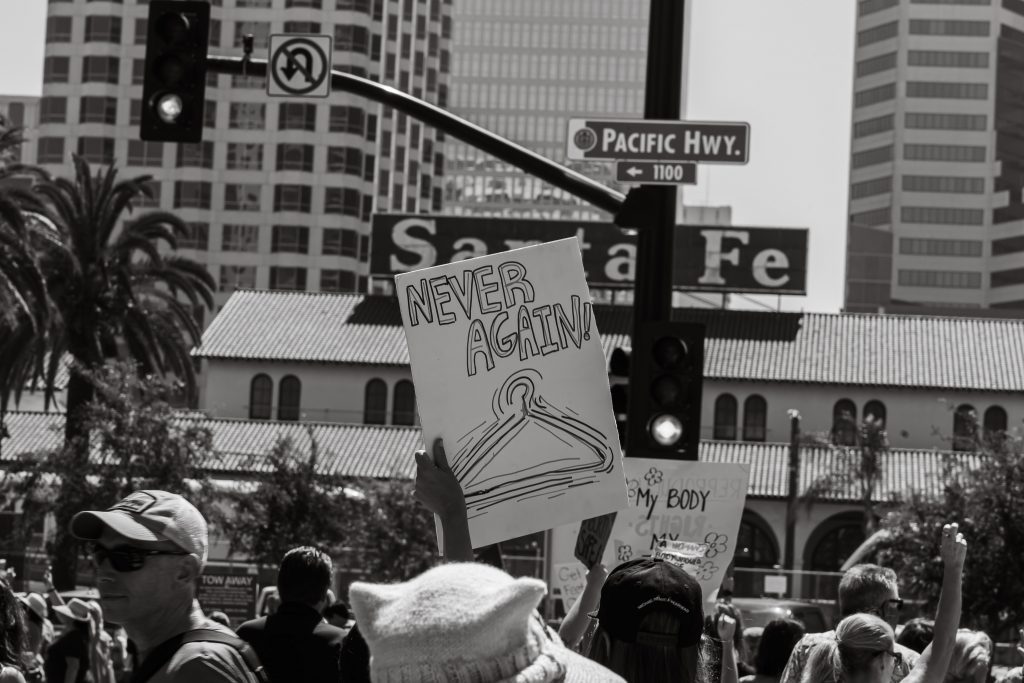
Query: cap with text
(148,516)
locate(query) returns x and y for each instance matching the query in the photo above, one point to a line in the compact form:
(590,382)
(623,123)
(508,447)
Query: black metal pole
(789,558)
(561,177)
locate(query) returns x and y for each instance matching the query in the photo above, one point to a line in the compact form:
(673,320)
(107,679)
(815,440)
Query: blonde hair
(859,639)
(971,650)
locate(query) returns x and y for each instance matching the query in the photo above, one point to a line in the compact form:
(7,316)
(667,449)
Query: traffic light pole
(561,177)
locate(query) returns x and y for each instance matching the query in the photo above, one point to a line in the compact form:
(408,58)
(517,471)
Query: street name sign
(652,140)
(656,172)
(299,65)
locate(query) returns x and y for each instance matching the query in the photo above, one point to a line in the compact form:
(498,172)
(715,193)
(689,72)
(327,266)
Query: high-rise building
(936,215)
(20,111)
(280,192)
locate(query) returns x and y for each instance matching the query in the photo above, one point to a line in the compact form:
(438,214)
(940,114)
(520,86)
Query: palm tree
(111,293)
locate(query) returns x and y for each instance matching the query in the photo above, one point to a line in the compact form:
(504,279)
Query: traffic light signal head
(174,88)
(665,391)
(618,371)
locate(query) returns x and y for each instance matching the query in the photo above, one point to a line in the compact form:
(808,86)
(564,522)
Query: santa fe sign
(646,140)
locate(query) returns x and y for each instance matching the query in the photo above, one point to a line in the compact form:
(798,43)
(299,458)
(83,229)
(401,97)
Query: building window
(339,242)
(247,116)
(875,217)
(301,26)
(260,31)
(209,114)
(294,157)
(345,201)
(247,82)
(934,215)
(957,153)
(296,116)
(53,110)
(345,160)
(877,33)
(756,548)
(375,404)
(832,542)
(345,119)
(948,27)
(244,197)
(944,90)
(192,194)
(965,423)
(245,156)
(945,121)
(943,184)
(875,410)
(404,409)
(98,110)
(56,69)
(292,198)
(885,62)
(844,423)
(950,279)
(100,69)
(134,112)
(883,93)
(948,60)
(103,29)
(195,155)
(870,188)
(197,237)
(289,397)
(138,71)
(870,157)
(755,417)
(50,151)
(337,280)
(880,124)
(96,150)
(237,277)
(995,423)
(244,238)
(58,29)
(349,38)
(919,246)
(290,239)
(261,394)
(288,279)
(726,408)
(145,153)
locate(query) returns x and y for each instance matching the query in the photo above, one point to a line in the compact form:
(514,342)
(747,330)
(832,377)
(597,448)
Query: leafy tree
(110,293)
(396,537)
(138,442)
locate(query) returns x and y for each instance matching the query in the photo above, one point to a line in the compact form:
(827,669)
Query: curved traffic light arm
(549,171)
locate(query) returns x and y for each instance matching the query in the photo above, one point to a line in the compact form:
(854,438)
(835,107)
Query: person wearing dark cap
(149,550)
(650,625)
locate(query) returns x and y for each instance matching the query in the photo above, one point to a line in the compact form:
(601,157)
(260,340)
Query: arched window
(875,410)
(755,415)
(288,398)
(965,423)
(404,410)
(829,546)
(995,423)
(375,407)
(725,417)
(756,548)
(261,395)
(844,423)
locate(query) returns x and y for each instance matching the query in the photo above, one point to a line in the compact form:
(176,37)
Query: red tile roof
(386,452)
(817,348)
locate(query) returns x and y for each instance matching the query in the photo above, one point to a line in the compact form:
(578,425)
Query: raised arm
(934,661)
(439,491)
(726,627)
(576,621)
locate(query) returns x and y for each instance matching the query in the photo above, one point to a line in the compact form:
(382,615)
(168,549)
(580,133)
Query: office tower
(937,158)
(279,193)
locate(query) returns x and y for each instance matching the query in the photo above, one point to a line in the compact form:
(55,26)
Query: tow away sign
(647,140)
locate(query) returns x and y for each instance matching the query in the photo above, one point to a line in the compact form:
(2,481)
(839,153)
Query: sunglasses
(895,603)
(126,558)
(897,657)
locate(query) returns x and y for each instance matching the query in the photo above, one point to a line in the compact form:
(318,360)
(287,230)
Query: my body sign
(707,258)
(509,371)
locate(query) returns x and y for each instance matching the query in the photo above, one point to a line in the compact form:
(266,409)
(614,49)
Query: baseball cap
(148,516)
(638,587)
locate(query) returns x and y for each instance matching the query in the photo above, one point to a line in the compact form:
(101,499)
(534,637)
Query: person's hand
(436,486)
(597,574)
(954,547)
(1020,641)
(726,628)
(48,579)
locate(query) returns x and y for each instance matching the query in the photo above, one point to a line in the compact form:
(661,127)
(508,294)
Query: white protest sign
(570,579)
(509,371)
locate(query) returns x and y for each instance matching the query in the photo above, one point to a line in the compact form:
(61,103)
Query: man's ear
(188,570)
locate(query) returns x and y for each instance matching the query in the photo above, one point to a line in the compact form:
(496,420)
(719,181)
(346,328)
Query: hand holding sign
(439,491)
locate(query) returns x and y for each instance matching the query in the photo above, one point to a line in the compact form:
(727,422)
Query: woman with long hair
(12,635)
(863,648)
(778,639)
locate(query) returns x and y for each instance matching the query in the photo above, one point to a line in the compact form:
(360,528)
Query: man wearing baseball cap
(149,550)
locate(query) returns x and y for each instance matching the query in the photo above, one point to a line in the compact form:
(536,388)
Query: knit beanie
(466,623)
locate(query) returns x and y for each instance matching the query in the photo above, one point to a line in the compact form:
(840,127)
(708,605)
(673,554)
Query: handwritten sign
(224,589)
(509,371)
(593,539)
(570,579)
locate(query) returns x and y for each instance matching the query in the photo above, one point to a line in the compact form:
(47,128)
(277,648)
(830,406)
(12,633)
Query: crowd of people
(644,621)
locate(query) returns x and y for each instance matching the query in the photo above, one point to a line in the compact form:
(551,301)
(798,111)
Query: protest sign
(593,539)
(570,579)
(509,371)
(229,590)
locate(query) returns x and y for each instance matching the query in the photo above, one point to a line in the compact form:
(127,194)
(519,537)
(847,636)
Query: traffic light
(665,391)
(173,92)
(618,378)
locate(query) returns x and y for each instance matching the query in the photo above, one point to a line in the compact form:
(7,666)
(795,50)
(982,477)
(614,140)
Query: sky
(785,68)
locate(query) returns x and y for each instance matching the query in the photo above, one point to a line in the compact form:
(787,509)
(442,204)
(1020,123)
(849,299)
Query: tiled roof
(817,348)
(386,452)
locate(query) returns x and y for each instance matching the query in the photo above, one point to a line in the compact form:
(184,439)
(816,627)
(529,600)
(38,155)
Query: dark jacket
(296,644)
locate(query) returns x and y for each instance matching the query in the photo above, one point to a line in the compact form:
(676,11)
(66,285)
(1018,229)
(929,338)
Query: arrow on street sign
(299,65)
(656,172)
(650,140)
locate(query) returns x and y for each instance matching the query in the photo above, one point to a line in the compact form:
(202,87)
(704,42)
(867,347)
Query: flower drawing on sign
(706,570)
(653,477)
(633,486)
(716,543)
(625,553)
(574,453)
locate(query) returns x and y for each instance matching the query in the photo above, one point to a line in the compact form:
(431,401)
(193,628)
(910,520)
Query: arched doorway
(828,547)
(756,548)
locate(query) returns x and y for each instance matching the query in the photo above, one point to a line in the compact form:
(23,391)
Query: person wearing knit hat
(465,622)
